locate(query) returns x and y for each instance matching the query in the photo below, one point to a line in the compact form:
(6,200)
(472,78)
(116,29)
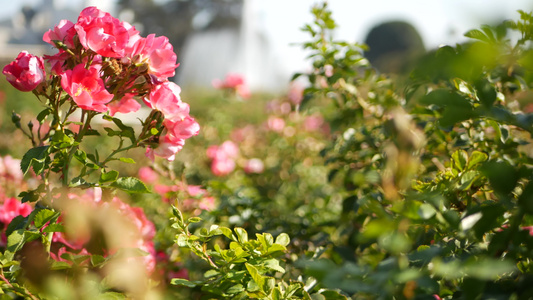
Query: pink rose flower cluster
(105,65)
(233,83)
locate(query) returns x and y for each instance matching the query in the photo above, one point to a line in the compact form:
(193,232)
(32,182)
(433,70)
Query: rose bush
(406,186)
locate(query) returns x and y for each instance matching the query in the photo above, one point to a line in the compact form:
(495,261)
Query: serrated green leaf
(44,216)
(475,158)
(106,177)
(54,228)
(35,157)
(130,185)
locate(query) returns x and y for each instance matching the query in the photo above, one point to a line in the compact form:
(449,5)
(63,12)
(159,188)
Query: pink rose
(167,148)
(11,208)
(86,88)
(157,53)
(125,105)
(100,32)
(183,129)
(254,165)
(165,97)
(26,72)
(64,32)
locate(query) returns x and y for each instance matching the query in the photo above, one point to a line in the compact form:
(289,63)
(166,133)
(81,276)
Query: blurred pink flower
(328,70)
(26,72)
(313,123)
(254,165)
(148,175)
(11,208)
(223,158)
(233,82)
(102,33)
(295,93)
(86,88)
(10,168)
(222,166)
(275,124)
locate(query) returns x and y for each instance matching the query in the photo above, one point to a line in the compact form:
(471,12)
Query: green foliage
(248,269)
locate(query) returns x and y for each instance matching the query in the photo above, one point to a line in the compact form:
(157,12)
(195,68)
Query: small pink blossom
(313,123)
(126,105)
(148,175)
(165,97)
(223,157)
(102,33)
(254,165)
(275,124)
(10,168)
(233,82)
(86,88)
(295,93)
(222,167)
(64,32)
(11,208)
(26,72)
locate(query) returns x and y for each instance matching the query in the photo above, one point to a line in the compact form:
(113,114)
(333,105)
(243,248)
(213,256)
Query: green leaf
(15,241)
(54,228)
(478,35)
(181,281)
(502,176)
(259,280)
(130,185)
(242,235)
(108,177)
(460,157)
(273,264)
(456,107)
(35,157)
(283,239)
(44,216)
(475,158)
(485,92)
(238,288)
(486,268)
(19,222)
(127,160)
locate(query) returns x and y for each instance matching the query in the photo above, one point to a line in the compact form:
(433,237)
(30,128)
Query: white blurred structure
(245,50)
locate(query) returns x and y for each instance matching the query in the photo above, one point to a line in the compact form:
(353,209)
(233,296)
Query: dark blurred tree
(177,19)
(393,46)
